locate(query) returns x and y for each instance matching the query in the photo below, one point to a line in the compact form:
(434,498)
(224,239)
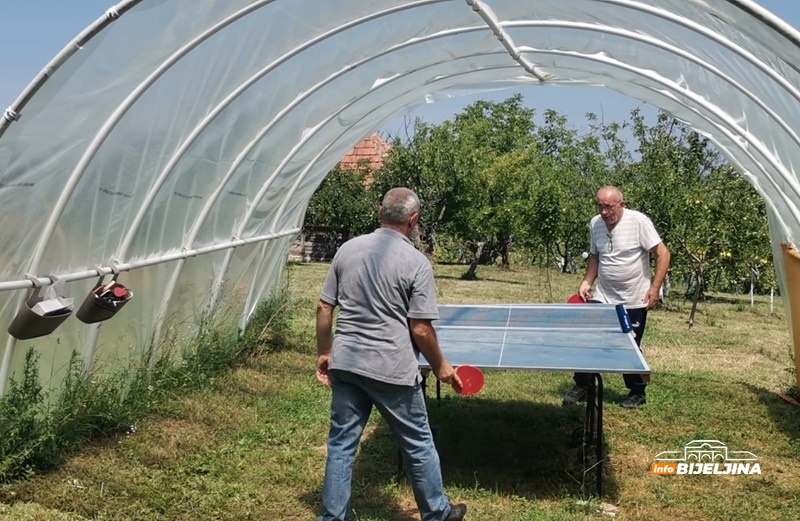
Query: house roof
(372,148)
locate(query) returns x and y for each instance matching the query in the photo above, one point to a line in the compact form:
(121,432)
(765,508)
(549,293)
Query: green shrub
(38,432)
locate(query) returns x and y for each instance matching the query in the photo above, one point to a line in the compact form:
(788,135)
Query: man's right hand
(424,335)
(446,374)
(585,291)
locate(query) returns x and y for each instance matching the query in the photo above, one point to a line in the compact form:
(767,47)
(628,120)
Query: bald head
(610,192)
(399,205)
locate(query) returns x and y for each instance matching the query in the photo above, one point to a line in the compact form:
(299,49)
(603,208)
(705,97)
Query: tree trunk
(473,267)
(547,271)
(505,253)
(429,240)
(696,297)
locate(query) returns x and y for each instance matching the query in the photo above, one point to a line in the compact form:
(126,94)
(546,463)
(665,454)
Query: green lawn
(252,445)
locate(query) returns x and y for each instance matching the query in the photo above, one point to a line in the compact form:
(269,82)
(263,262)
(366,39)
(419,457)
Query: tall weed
(38,432)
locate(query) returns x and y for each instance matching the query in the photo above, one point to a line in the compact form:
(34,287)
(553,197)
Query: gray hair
(399,204)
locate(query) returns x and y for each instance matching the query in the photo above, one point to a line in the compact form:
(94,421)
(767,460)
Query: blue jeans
(403,408)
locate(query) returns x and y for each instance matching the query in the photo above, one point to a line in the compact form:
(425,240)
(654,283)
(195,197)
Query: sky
(34,31)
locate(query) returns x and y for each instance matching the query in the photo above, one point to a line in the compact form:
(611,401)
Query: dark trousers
(634,382)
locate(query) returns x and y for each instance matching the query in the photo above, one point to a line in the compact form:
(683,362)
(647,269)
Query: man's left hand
(651,298)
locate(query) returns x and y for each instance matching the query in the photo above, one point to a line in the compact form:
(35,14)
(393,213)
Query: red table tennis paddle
(575,299)
(471,380)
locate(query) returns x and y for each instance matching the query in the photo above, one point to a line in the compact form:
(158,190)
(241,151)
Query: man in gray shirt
(385,292)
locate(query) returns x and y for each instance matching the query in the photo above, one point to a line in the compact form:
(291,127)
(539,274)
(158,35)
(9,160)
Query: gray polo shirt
(379,281)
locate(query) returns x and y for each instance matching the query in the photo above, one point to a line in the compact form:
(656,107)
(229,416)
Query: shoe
(633,401)
(574,395)
(457,512)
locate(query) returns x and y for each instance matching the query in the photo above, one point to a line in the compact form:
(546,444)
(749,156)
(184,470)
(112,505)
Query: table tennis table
(594,339)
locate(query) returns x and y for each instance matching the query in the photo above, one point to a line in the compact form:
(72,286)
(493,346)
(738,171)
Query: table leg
(593,427)
(599,437)
(591,410)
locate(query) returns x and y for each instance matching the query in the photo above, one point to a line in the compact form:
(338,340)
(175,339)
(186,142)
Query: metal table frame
(591,434)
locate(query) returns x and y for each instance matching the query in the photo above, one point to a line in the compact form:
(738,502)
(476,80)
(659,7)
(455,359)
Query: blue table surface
(546,337)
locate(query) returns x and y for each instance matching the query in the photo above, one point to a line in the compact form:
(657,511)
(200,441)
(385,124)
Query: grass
(250,443)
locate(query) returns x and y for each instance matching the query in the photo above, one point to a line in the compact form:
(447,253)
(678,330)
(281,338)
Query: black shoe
(574,395)
(457,512)
(633,401)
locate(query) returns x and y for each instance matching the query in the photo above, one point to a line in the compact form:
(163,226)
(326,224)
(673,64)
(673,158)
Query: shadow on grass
(613,396)
(374,471)
(723,298)
(482,279)
(784,414)
(508,447)
(504,446)
(512,447)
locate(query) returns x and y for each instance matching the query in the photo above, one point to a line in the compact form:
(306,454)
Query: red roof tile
(373,149)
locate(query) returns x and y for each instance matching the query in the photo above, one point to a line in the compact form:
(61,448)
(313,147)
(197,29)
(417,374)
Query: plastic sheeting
(176,143)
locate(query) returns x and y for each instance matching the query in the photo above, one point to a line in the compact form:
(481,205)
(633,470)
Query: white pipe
(197,132)
(128,266)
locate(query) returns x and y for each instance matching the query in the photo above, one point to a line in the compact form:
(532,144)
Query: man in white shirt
(621,243)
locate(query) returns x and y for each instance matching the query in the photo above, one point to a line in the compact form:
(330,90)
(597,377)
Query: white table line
(571,329)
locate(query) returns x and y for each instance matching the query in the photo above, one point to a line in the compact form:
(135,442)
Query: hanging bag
(43,312)
(104,301)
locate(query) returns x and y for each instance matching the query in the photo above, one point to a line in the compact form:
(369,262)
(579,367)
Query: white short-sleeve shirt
(623,253)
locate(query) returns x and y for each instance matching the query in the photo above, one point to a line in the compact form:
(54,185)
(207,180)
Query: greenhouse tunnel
(173,145)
